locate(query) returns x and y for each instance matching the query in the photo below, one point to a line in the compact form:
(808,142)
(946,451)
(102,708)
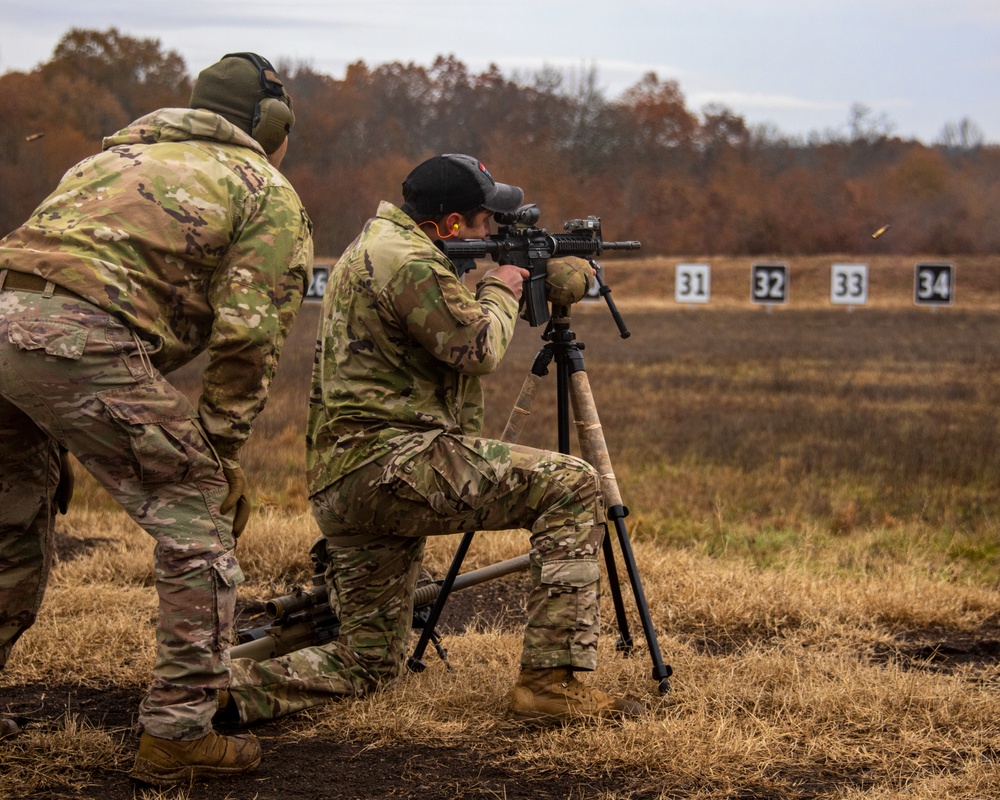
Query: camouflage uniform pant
(69,373)
(376,520)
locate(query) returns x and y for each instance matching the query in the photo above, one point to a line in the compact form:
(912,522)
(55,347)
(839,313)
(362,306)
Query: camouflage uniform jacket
(182,229)
(402,343)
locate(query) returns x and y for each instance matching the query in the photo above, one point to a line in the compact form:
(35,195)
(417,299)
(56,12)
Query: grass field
(814,504)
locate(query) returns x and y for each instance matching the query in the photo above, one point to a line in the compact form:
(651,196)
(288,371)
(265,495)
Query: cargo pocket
(452,478)
(160,430)
(60,339)
(571,589)
(228,575)
(419,481)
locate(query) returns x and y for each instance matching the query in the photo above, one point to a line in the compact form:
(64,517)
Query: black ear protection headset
(272,116)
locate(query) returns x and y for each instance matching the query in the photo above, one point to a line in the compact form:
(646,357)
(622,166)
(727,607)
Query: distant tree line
(681,182)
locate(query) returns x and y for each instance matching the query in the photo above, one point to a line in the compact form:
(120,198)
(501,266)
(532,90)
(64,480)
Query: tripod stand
(572,388)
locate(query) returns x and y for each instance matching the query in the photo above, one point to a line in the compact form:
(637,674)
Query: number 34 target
(934,284)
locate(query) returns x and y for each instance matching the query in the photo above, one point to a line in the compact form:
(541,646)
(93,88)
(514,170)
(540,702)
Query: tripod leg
(624,643)
(595,451)
(415,662)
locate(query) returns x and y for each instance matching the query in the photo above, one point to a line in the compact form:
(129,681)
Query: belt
(29,282)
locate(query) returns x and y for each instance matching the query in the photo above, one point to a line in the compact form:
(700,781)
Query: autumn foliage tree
(95,83)
(682,182)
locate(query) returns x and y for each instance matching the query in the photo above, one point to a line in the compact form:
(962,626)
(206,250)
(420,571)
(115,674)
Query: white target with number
(849,284)
(693,283)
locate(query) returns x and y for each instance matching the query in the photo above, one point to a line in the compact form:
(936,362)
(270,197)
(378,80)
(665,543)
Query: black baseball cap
(457,183)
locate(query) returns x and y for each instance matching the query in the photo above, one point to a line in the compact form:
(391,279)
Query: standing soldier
(181,236)
(395,454)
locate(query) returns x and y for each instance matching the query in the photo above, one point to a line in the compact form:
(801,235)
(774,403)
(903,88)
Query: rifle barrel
(629,245)
(426,595)
(303,599)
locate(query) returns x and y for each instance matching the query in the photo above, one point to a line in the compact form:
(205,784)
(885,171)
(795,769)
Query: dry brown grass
(814,509)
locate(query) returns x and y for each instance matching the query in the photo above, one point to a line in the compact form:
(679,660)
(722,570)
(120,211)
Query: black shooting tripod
(572,387)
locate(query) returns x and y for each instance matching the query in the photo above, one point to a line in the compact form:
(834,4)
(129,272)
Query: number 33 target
(849,284)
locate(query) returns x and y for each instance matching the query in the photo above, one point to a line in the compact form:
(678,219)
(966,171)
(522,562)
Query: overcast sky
(796,64)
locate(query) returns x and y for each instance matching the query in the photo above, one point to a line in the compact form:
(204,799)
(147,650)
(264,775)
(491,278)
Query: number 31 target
(693,283)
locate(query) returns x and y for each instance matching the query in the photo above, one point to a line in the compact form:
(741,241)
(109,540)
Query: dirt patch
(931,649)
(496,604)
(70,547)
(940,650)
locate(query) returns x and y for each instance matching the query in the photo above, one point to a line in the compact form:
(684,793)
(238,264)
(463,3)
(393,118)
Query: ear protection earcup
(272,123)
(272,116)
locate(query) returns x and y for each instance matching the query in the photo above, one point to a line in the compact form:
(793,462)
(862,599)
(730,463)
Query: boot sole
(148,772)
(541,718)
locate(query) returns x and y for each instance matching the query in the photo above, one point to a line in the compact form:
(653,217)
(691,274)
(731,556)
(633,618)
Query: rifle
(303,618)
(518,242)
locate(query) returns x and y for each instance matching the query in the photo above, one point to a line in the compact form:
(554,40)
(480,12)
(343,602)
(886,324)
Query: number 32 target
(769,283)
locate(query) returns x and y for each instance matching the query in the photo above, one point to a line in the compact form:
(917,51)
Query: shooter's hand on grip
(511,275)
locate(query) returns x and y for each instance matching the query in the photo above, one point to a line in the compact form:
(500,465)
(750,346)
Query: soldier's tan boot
(554,695)
(167,762)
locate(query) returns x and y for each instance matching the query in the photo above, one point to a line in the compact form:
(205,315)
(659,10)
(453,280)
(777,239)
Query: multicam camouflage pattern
(184,231)
(179,237)
(70,373)
(27,508)
(376,520)
(402,343)
(395,457)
